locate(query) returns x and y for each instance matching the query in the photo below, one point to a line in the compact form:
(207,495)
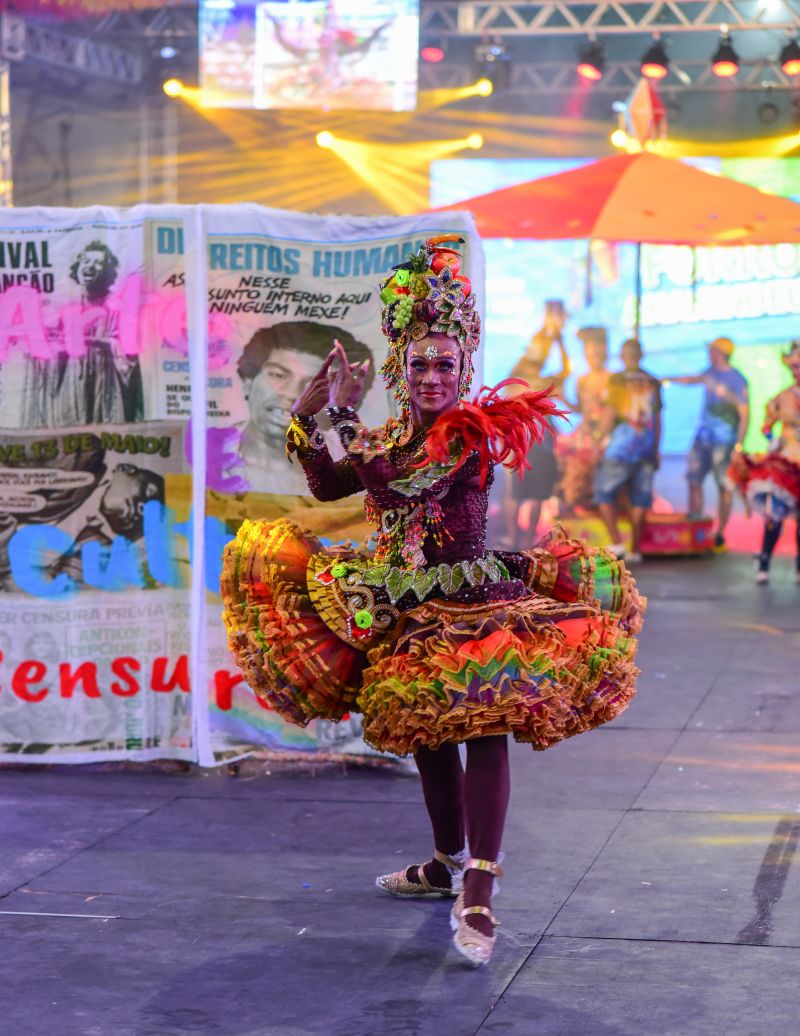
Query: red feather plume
(501,430)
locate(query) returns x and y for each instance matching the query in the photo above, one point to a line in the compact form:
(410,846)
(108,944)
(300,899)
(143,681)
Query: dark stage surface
(652,880)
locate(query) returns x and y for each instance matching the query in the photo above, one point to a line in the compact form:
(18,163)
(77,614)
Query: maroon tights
(472,801)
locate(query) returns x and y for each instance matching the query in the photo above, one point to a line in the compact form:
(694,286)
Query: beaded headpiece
(428,295)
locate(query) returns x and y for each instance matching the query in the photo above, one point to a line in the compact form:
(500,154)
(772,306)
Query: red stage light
(432,54)
(655,62)
(591,61)
(725,69)
(725,63)
(653,71)
(586,71)
(790,57)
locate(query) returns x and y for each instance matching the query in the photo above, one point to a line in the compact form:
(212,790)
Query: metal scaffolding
(604,18)
(544,78)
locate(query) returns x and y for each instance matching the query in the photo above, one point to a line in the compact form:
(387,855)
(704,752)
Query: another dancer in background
(770,483)
(632,421)
(722,428)
(539,482)
(435,638)
(580,453)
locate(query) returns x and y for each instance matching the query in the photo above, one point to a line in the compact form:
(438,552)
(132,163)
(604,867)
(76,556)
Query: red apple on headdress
(465,282)
(443,257)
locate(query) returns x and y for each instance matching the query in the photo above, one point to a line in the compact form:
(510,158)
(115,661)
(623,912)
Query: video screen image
(318,54)
(750,294)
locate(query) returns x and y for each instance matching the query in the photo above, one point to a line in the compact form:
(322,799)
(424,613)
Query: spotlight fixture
(790,57)
(725,62)
(433,55)
(493,62)
(475,141)
(167,52)
(325,138)
(173,88)
(591,61)
(655,62)
(484,87)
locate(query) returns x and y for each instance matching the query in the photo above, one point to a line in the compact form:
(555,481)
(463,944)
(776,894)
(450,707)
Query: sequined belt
(357,599)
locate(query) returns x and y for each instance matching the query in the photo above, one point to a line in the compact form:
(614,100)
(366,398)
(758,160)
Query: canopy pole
(638,304)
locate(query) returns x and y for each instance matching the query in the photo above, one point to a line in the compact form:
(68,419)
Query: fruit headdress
(428,294)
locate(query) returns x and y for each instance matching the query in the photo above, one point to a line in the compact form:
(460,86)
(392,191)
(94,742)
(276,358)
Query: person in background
(632,422)
(580,453)
(770,483)
(539,482)
(722,428)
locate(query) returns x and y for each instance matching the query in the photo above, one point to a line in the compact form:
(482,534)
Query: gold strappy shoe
(470,943)
(398,883)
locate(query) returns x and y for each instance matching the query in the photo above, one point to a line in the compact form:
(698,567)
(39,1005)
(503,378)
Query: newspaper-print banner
(130,339)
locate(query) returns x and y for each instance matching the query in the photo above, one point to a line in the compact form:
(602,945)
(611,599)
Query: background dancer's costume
(433,638)
(770,482)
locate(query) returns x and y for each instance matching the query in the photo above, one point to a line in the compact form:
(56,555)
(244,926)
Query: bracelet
(303,436)
(341,413)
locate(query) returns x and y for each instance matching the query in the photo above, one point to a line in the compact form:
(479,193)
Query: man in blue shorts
(633,423)
(722,428)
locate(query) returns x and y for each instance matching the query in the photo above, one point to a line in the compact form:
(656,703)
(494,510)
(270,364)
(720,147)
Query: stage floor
(652,882)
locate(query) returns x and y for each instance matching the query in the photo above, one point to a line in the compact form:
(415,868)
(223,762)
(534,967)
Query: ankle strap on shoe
(492,866)
(453,863)
(483,911)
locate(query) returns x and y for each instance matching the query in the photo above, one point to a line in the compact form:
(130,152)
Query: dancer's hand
(345,380)
(315,395)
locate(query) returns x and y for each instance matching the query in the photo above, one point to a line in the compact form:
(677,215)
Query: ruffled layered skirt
(769,482)
(543,651)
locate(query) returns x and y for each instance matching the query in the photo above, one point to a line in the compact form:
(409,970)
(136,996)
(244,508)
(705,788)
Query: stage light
(475,141)
(432,54)
(325,138)
(167,52)
(619,138)
(591,61)
(725,62)
(493,62)
(790,57)
(173,88)
(484,87)
(655,62)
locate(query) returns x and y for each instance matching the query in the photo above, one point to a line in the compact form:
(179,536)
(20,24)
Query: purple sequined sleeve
(377,472)
(327,479)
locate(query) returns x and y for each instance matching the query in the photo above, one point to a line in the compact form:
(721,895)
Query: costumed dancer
(434,638)
(632,422)
(580,453)
(722,428)
(539,480)
(770,483)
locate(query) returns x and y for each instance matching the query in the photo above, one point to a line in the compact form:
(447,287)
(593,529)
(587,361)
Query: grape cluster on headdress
(425,295)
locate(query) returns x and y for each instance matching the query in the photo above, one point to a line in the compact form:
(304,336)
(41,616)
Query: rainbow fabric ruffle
(543,665)
(770,482)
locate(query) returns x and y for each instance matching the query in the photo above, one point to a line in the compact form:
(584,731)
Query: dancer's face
(596,356)
(433,367)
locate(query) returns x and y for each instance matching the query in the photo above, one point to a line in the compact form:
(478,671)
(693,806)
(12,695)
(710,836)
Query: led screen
(321,54)
(751,294)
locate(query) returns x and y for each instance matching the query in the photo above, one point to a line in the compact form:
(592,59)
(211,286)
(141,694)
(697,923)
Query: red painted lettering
(26,673)
(179,678)
(124,668)
(85,674)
